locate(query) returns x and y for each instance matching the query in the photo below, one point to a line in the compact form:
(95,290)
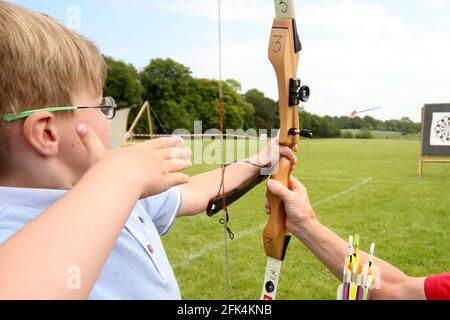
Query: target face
(440,129)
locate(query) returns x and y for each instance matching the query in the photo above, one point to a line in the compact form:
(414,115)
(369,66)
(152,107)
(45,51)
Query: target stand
(435,135)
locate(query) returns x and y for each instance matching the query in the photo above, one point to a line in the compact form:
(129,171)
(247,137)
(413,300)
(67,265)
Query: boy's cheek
(71,147)
(108,132)
(104,132)
(98,123)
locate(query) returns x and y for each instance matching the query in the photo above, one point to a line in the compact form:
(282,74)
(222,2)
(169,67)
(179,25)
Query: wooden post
(149,118)
(138,117)
(145,107)
(421,167)
(421,144)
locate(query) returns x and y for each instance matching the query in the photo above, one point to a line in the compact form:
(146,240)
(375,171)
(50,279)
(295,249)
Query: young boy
(77,221)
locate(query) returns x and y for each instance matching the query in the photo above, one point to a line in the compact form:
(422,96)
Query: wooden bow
(284,50)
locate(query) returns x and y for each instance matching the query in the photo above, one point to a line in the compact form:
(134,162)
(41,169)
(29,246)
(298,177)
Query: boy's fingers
(175,165)
(267,206)
(162,143)
(175,179)
(176,153)
(91,141)
(288,153)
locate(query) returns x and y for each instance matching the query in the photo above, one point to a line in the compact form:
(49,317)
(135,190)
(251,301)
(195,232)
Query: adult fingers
(296,185)
(279,190)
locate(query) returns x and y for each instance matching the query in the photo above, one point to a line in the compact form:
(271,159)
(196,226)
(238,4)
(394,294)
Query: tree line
(178,99)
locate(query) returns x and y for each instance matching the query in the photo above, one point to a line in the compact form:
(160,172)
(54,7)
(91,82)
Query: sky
(357,54)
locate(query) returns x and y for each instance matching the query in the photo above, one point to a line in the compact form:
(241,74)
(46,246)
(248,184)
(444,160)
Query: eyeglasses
(108,108)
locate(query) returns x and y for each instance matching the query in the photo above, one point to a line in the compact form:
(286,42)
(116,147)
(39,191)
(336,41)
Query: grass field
(369,187)
(388,135)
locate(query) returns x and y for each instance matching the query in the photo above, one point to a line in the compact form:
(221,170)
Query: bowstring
(222,131)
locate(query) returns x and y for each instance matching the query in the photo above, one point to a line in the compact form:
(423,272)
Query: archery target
(440,129)
(436,129)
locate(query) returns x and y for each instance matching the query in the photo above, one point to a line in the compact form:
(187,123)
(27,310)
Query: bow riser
(284,51)
(285,59)
(276,238)
(283,56)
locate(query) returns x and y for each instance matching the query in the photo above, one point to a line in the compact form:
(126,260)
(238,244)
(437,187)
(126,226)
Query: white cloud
(434,3)
(390,64)
(350,17)
(232,10)
(356,53)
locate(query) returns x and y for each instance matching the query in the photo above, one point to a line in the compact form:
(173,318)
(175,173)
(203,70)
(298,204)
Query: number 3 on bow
(284,52)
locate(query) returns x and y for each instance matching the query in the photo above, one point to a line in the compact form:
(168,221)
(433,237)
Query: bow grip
(276,238)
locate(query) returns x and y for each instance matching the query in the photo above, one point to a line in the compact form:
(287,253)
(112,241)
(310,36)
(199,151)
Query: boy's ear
(39,129)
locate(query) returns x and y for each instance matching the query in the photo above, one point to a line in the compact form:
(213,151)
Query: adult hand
(296,203)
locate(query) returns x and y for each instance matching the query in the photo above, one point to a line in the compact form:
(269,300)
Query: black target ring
(442,129)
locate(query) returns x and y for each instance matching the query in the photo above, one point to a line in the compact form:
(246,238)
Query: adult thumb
(279,190)
(92,143)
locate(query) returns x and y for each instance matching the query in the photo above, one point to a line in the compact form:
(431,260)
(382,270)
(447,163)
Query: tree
(357,123)
(166,85)
(370,123)
(347,135)
(364,134)
(266,113)
(180,99)
(321,127)
(235,85)
(328,128)
(344,122)
(122,83)
(205,97)
(407,126)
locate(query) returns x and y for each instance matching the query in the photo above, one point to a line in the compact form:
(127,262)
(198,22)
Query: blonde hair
(42,62)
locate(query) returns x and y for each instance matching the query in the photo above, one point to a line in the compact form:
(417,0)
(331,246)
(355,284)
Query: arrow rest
(304,133)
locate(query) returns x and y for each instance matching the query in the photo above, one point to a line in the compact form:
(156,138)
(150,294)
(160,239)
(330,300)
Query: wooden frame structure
(144,109)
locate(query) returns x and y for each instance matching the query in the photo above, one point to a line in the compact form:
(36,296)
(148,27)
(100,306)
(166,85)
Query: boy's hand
(296,203)
(153,166)
(272,153)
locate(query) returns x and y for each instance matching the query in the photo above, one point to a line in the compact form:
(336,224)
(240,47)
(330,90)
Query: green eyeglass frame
(108,109)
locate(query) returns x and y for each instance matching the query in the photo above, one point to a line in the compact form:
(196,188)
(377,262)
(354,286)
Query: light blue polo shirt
(137,268)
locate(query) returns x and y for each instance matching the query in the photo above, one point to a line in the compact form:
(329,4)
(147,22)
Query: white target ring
(442,129)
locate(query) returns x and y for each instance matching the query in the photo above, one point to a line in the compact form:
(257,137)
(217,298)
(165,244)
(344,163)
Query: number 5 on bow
(284,51)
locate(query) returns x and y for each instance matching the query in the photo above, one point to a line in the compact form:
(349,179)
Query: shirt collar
(26,197)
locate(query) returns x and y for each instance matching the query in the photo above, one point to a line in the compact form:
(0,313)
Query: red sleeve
(438,287)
